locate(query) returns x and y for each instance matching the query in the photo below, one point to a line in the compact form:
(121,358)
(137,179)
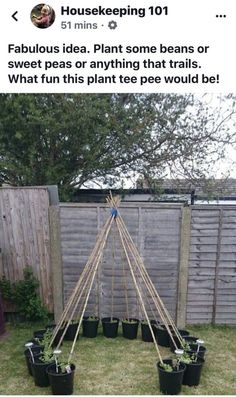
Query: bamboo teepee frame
(143,284)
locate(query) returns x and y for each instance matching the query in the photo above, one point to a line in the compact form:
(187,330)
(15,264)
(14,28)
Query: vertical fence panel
(212,265)
(25,239)
(225,312)
(183,267)
(202,263)
(56,260)
(155,230)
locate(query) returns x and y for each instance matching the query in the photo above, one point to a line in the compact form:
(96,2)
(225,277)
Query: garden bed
(119,365)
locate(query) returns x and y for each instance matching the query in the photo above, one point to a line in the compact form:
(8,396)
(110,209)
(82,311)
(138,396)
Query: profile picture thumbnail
(42,16)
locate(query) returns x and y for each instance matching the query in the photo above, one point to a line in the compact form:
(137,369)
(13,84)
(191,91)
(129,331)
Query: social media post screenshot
(130,47)
(118,197)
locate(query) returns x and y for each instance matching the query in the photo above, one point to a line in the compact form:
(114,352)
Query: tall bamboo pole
(160,306)
(113,271)
(138,291)
(96,266)
(83,276)
(79,298)
(125,288)
(165,316)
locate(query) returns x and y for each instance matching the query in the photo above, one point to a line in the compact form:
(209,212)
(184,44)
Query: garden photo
(118,244)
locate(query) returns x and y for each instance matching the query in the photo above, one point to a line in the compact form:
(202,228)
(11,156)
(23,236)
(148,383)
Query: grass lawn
(120,366)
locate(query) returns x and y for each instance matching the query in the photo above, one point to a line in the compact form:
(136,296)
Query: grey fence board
(25,236)
(212,265)
(154,229)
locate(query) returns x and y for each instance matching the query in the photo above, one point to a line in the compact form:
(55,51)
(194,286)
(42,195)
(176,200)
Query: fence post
(1,264)
(219,238)
(183,267)
(56,260)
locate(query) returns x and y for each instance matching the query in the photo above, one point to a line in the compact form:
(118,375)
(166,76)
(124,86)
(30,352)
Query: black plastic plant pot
(162,336)
(193,372)
(170,382)
(154,326)
(71,332)
(165,327)
(190,338)
(182,333)
(58,337)
(201,352)
(177,342)
(145,330)
(34,341)
(35,350)
(39,372)
(90,327)
(61,383)
(130,328)
(39,334)
(110,327)
(50,326)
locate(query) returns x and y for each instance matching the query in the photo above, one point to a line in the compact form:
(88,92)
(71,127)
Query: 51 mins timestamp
(78,25)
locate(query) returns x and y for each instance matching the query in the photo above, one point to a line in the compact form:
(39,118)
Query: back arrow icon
(14,15)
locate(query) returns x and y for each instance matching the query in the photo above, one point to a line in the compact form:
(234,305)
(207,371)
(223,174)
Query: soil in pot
(170,382)
(145,330)
(192,373)
(162,336)
(39,371)
(71,332)
(110,327)
(193,349)
(62,383)
(90,326)
(130,328)
(35,351)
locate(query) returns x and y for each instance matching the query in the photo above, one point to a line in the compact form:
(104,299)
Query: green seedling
(179,353)
(166,367)
(186,359)
(47,353)
(127,321)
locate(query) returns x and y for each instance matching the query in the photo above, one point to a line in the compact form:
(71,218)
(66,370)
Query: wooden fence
(212,265)
(155,230)
(25,236)
(189,252)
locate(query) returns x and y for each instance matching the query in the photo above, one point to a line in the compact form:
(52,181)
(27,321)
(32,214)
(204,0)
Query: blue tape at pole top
(114,212)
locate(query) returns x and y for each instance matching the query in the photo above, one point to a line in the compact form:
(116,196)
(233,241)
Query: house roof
(201,187)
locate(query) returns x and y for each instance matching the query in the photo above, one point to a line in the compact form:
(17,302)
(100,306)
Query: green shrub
(7,289)
(24,294)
